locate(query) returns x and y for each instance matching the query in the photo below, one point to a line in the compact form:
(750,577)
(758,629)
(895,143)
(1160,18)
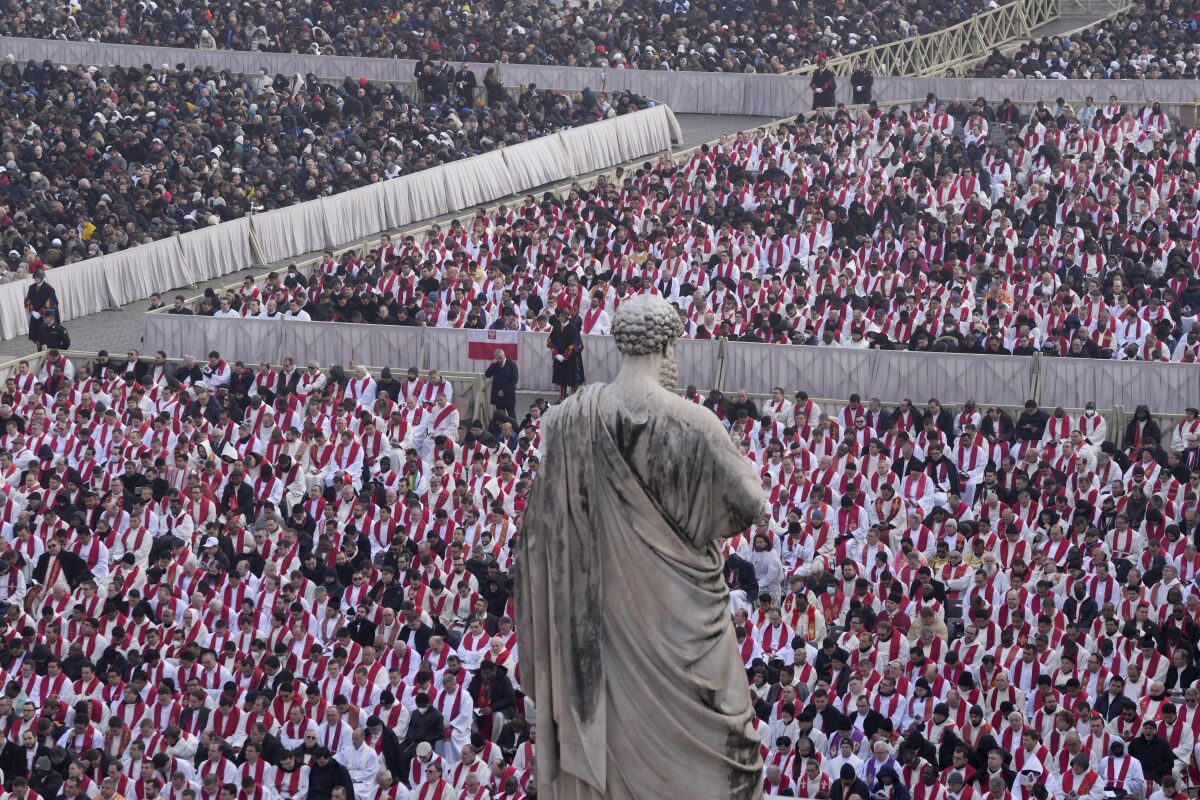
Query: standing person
(861,81)
(504,375)
(823,85)
(494,88)
(566,345)
(41,302)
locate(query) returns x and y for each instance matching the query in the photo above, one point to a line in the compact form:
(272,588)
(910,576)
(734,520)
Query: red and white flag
(482,345)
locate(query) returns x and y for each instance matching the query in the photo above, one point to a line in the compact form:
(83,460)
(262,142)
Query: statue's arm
(739,486)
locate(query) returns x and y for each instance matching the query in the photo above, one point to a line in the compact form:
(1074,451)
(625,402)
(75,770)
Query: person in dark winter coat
(848,785)
(389,744)
(1141,428)
(425,726)
(325,775)
(492,692)
(1153,752)
(504,374)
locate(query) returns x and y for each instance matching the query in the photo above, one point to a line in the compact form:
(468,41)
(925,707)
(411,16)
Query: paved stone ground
(119,329)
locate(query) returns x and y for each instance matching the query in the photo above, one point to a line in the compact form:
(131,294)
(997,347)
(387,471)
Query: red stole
(1116,779)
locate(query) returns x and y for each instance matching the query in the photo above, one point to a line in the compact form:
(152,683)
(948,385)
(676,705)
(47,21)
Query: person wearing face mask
(426,727)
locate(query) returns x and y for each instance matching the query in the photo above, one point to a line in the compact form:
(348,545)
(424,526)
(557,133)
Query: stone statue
(627,647)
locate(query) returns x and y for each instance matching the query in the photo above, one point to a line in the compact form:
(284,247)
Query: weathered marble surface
(626,644)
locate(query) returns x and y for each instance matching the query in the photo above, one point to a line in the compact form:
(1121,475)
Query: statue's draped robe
(626,642)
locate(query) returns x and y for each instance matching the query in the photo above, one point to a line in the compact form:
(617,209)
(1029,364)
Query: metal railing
(1102,6)
(1111,9)
(932,53)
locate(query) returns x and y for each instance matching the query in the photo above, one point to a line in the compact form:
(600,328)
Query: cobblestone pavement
(119,329)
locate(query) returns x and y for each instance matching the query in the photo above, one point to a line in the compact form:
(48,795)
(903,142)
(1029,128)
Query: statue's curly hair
(645,324)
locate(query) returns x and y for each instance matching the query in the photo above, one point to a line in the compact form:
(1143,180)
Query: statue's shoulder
(689,413)
(583,403)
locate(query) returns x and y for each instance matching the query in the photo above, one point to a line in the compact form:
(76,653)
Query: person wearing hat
(565,343)
(41,304)
(1150,749)
(957,786)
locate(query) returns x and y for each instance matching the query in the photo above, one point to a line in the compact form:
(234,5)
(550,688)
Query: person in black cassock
(566,346)
(325,775)
(41,302)
(822,85)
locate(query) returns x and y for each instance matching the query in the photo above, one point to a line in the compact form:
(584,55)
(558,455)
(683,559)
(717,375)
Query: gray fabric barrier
(535,164)
(685,92)
(335,343)
(14,321)
(81,288)
(248,340)
(287,232)
(91,286)
(757,368)
(589,150)
(478,180)
(138,272)
(823,372)
(697,360)
(1072,382)
(356,214)
(134,274)
(216,250)
(890,375)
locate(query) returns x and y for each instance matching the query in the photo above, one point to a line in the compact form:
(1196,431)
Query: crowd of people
(928,229)
(1159,40)
(729,36)
(225,582)
(278,585)
(99,160)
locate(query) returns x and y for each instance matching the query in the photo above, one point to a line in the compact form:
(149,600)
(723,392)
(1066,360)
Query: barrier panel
(335,343)
(891,375)
(216,250)
(355,214)
(821,371)
(14,321)
(698,361)
(134,274)
(138,272)
(248,340)
(81,288)
(1166,388)
(684,92)
(287,232)
(537,164)
(477,180)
